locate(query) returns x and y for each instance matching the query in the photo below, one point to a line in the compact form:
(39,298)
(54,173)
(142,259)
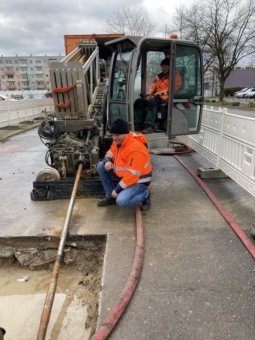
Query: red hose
(237,229)
(110,321)
(163,153)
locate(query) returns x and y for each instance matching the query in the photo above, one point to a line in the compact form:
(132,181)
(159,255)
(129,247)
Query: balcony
(11,87)
(9,73)
(23,61)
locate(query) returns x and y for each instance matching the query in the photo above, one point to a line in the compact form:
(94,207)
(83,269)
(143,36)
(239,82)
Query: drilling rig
(98,82)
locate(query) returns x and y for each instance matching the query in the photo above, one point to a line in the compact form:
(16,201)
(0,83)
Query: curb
(6,134)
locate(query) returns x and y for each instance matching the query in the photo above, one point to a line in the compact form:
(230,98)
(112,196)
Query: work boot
(106,201)
(147,130)
(146,203)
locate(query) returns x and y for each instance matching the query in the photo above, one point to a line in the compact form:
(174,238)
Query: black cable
(46,132)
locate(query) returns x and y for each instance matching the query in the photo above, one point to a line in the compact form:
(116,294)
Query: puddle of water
(22,303)
(75,308)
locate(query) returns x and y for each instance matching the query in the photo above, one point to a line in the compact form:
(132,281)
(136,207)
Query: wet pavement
(198,279)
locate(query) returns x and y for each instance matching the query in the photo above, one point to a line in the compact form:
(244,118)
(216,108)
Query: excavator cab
(134,67)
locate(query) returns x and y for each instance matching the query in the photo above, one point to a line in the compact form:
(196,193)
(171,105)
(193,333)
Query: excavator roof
(127,43)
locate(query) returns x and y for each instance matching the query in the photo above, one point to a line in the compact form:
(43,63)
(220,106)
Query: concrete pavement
(198,279)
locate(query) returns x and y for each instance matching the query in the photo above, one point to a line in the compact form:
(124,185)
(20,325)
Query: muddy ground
(82,260)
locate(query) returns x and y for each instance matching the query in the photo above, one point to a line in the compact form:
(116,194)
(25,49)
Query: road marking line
(8,148)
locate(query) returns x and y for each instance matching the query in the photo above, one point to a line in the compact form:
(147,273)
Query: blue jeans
(127,197)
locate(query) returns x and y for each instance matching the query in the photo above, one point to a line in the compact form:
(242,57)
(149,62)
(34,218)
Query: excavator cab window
(187,102)
(118,89)
(148,68)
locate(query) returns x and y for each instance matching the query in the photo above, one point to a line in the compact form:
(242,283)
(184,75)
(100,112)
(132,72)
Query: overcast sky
(38,27)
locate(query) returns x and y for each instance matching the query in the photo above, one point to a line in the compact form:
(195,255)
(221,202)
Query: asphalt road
(198,278)
(245,113)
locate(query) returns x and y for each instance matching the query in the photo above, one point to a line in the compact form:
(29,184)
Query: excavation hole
(26,265)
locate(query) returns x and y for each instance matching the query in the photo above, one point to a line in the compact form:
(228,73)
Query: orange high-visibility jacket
(131,161)
(161,85)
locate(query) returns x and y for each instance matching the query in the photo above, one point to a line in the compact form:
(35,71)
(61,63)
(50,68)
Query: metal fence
(228,142)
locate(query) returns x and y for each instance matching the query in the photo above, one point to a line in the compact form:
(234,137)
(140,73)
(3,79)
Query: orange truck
(71,41)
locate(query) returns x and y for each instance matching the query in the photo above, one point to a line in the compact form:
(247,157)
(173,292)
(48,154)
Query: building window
(3,77)
(9,69)
(38,68)
(16,61)
(31,61)
(38,61)
(10,76)
(2,69)
(8,61)
(17,68)
(31,68)
(47,75)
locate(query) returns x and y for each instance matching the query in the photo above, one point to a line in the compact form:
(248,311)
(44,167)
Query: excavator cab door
(186,104)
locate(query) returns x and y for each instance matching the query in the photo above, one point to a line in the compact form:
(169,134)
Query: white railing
(14,112)
(228,142)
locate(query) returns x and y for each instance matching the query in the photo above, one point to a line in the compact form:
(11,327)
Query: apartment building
(26,73)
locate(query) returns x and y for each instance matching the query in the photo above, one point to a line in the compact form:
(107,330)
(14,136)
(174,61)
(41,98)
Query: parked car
(250,93)
(28,96)
(17,96)
(243,93)
(49,95)
(5,98)
(39,96)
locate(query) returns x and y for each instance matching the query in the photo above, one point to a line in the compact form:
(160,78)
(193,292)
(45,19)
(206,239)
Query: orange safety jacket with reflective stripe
(131,161)
(161,85)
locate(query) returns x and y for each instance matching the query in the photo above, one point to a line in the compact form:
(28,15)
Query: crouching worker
(127,161)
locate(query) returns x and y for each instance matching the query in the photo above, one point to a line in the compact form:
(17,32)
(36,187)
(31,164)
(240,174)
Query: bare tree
(166,30)
(130,21)
(224,29)
(188,22)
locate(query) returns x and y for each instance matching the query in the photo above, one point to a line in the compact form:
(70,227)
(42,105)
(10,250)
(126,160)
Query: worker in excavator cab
(155,102)
(128,163)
